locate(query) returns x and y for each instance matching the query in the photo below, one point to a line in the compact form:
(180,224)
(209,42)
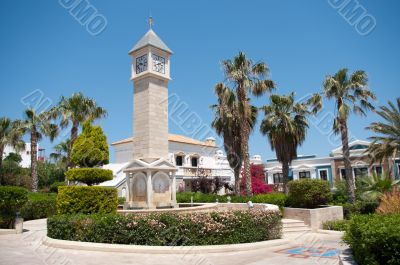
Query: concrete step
(291,226)
(288,225)
(296,230)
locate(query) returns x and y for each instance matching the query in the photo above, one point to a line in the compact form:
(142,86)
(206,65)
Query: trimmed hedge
(168,229)
(11,201)
(374,239)
(39,205)
(89,176)
(309,193)
(358,207)
(336,225)
(198,197)
(87,200)
(54,187)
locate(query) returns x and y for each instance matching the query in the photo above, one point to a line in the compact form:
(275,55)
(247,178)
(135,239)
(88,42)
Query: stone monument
(151,179)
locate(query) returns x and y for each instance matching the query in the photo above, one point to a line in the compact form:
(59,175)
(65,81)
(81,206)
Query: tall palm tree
(227,124)
(37,125)
(76,110)
(386,145)
(246,77)
(61,153)
(10,135)
(285,125)
(351,95)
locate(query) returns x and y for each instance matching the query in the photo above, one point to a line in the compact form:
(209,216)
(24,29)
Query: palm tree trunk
(346,160)
(1,165)
(35,181)
(285,172)
(236,172)
(74,135)
(245,133)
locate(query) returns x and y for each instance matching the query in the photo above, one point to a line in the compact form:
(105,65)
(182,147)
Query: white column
(130,188)
(173,187)
(149,190)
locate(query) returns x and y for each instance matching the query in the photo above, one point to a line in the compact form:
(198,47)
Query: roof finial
(151,22)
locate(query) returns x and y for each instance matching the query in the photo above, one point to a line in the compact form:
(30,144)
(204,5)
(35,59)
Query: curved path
(27,248)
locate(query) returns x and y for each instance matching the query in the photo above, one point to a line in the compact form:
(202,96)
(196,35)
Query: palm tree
(61,153)
(246,76)
(386,145)
(76,110)
(227,124)
(374,186)
(285,125)
(37,125)
(351,94)
(11,135)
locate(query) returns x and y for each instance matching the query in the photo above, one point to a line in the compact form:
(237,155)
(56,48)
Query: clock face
(158,64)
(141,64)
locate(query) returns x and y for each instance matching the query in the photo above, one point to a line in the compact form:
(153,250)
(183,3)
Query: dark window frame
(325,172)
(181,160)
(304,174)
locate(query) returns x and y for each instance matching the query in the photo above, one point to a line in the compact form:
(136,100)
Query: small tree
(90,148)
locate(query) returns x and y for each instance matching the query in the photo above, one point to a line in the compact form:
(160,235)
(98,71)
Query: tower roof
(150,38)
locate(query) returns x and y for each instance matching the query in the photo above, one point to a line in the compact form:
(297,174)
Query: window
(378,170)
(194,161)
(278,178)
(304,175)
(343,173)
(179,160)
(360,171)
(323,174)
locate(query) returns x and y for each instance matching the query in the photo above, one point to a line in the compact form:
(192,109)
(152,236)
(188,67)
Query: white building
(25,154)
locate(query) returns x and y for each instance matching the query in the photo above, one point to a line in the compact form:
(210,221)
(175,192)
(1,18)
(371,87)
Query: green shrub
(11,201)
(358,207)
(374,239)
(168,229)
(121,200)
(83,199)
(309,193)
(89,176)
(336,225)
(90,149)
(39,205)
(198,197)
(54,187)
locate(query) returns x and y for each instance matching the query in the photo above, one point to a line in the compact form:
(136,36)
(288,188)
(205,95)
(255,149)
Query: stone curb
(330,232)
(9,231)
(66,244)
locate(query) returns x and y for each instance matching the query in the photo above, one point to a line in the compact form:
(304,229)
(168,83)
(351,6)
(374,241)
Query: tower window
(179,160)
(194,161)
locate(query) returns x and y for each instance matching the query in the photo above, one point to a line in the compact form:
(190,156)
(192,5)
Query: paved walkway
(26,249)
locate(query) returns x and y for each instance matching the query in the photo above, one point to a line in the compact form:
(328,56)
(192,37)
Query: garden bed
(169,229)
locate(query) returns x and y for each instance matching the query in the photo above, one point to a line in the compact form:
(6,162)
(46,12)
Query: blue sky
(43,47)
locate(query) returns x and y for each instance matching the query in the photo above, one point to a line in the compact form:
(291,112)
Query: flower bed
(168,229)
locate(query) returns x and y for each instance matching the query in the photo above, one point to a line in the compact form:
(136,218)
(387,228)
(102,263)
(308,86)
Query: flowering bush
(168,229)
(258,185)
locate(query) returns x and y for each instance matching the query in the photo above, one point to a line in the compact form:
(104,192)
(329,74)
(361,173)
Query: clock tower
(150,75)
